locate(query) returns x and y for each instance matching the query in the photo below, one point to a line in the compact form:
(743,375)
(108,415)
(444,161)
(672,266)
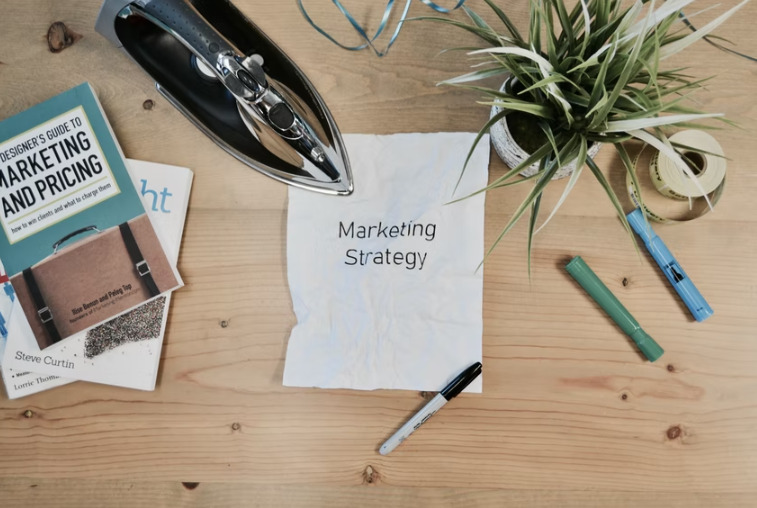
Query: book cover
(22,383)
(124,351)
(76,240)
(7,297)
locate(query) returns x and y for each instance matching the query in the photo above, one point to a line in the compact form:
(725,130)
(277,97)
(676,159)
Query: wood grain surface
(570,415)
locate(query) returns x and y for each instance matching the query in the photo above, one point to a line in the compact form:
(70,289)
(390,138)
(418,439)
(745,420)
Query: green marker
(584,275)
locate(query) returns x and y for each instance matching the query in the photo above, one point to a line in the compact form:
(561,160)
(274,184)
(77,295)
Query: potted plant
(582,76)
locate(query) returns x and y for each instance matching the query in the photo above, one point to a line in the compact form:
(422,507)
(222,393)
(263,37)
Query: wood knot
(674,432)
(236,426)
(624,396)
(625,282)
(190,485)
(59,37)
(671,368)
(224,323)
(28,413)
(370,475)
(148,104)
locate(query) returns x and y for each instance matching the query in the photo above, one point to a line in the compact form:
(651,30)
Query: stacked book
(89,246)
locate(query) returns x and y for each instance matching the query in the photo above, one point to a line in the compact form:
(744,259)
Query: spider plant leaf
(544,66)
(675,47)
(504,96)
(531,224)
(505,180)
(539,154)
(721,39)
(630,167)
(649,109)
(549,169)
(652,64)
(535,157)
(645,123)
(474,76)
(554,78)
(622,37)
(567,38)
(534,27)
(587,26)
(598,90)
(668,8)
(602,13)
(703,127)
(663,145)
(693,15)
(506,21)
(513,183)
(545,128)
(611,194)
(485,129)
(580,161)
(462,49)
(633,102)
(549,31)
(530,108)
(619,85)
(686,86)
(478,20)
(686,148)
(486,35)
(593,60)
(635,187)
(578,99)
(532,55)
(615,137)
(575,13)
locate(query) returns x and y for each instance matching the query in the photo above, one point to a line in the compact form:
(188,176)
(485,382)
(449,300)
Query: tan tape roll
(709,167)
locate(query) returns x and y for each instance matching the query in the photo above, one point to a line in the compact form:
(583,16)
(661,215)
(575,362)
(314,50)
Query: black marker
(448,393)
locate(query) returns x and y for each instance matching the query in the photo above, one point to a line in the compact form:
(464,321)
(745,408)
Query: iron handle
(184,20)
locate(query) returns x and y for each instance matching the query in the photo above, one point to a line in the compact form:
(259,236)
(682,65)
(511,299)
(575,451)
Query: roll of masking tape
(709,168)
(707,164)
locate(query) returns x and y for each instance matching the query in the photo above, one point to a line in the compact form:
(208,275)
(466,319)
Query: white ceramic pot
(512,154)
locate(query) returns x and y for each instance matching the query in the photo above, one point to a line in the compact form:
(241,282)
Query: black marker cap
(460,382)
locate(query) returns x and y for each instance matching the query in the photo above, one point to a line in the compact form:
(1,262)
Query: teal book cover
(76,242)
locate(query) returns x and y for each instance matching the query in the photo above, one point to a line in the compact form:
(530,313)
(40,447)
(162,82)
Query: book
(76,240)
(21,383)
(124,351)
(7,297)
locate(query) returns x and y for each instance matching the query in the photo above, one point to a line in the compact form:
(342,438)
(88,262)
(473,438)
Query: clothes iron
(236,85)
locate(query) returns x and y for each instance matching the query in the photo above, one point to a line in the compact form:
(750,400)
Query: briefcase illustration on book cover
(92,275)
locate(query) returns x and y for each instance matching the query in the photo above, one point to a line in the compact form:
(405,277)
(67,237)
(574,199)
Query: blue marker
(670,267)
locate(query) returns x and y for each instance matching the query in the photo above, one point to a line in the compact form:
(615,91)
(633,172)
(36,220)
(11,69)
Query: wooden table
(570,414)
